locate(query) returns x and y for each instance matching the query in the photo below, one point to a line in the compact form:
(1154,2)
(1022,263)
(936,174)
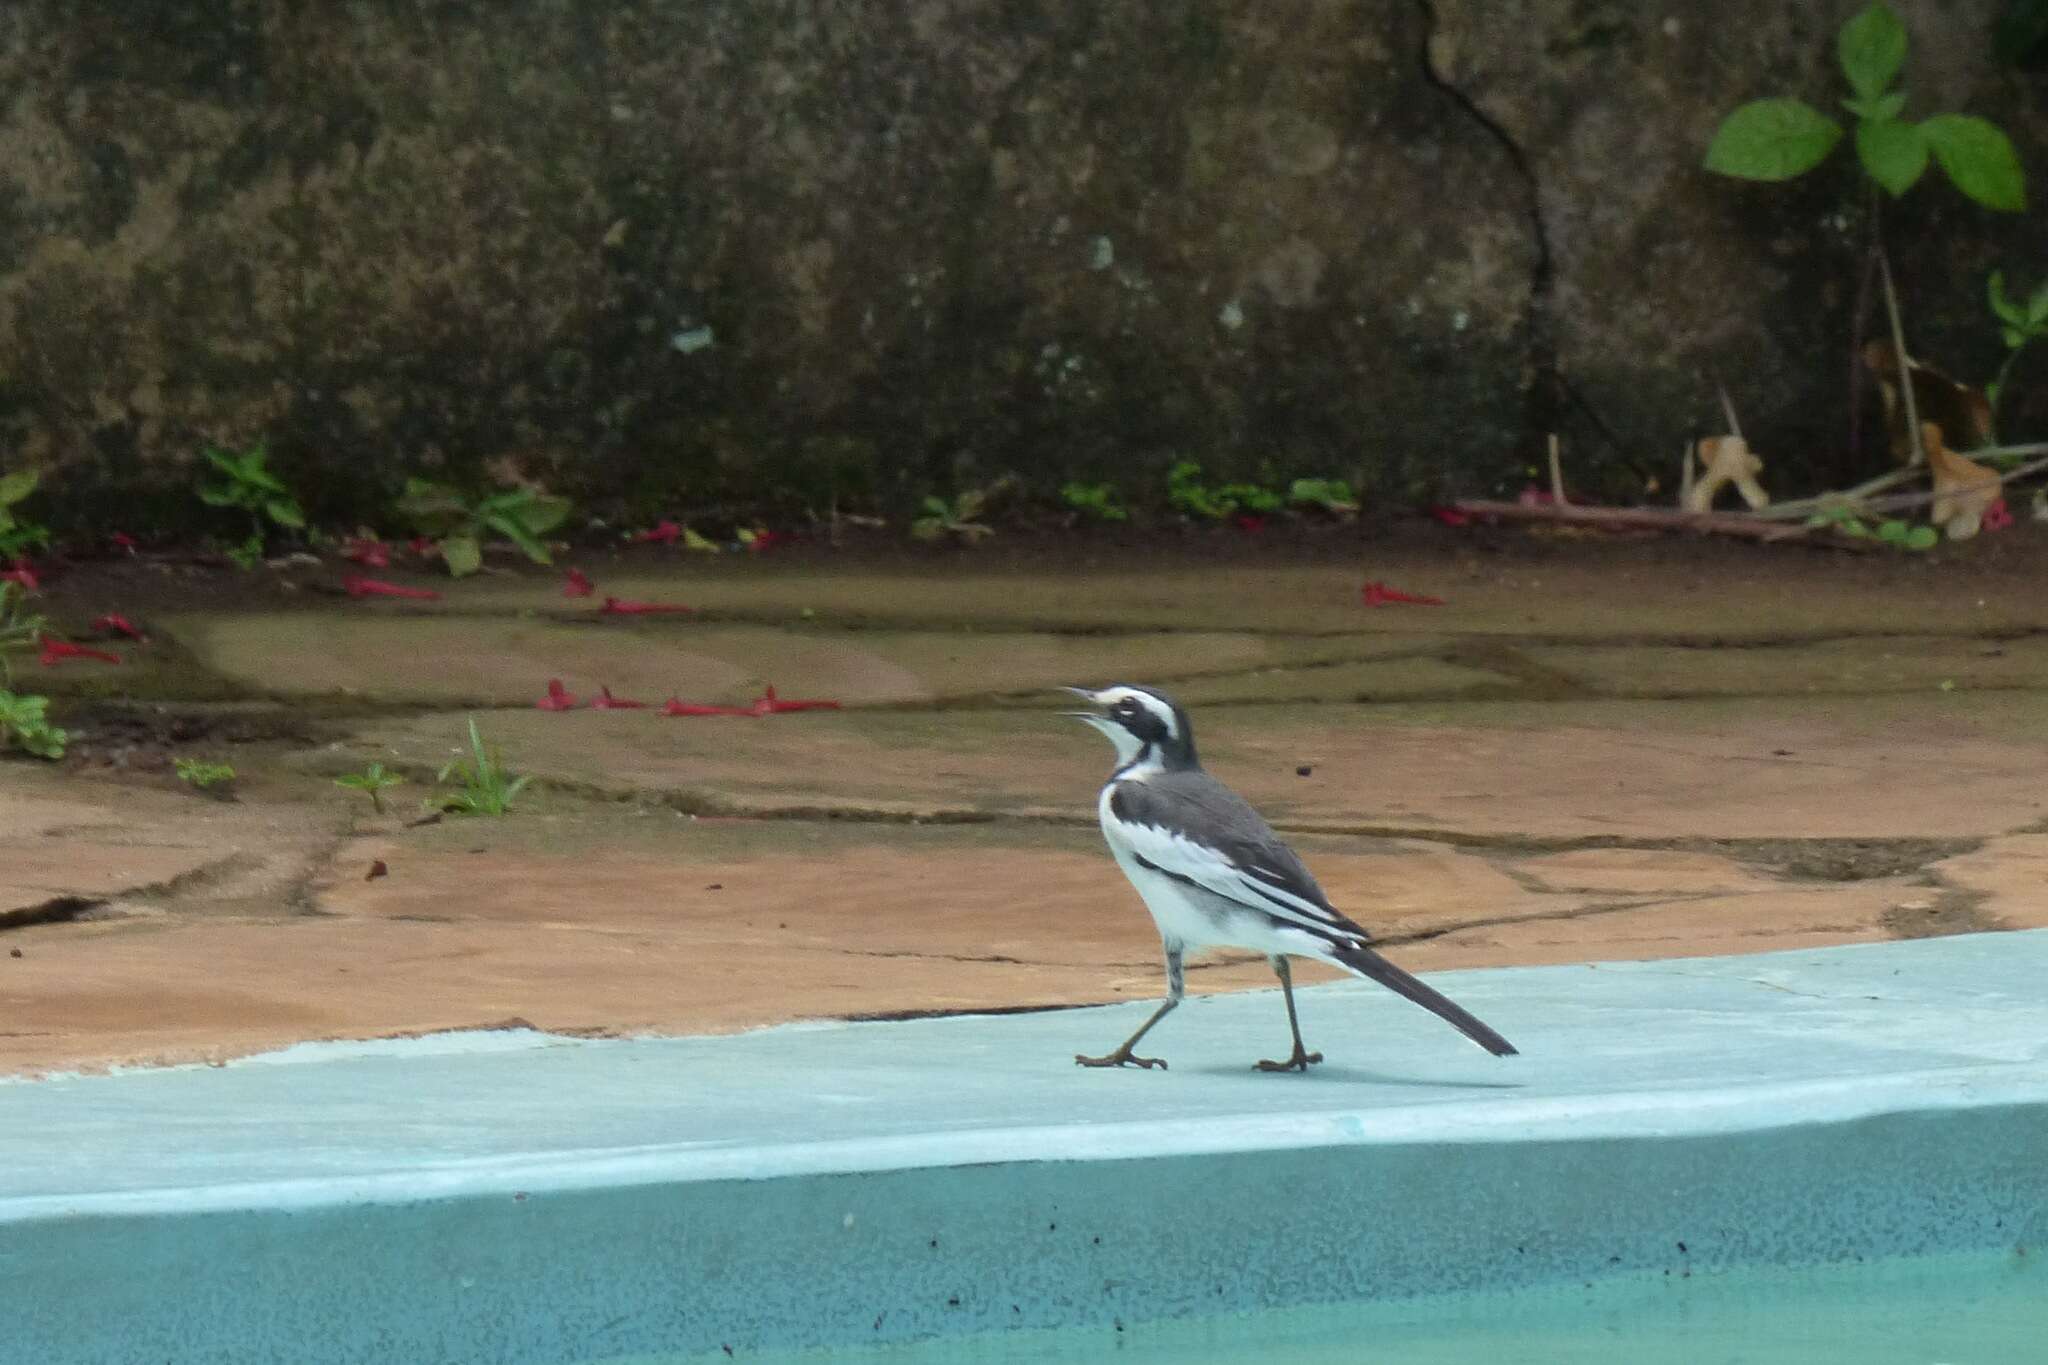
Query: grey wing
(1191,826)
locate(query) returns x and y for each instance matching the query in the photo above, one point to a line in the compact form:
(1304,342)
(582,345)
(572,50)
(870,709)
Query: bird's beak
(1086,694)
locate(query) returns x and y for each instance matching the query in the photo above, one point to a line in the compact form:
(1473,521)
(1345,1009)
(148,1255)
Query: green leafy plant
(460,525)
(19,626)
(247,485)
(938,518)
(18,535)
(200,775)
(1094,501)
(2018,324)
(373,781)
(1841,516)
(1782,138)
(1188,495)
(1331,495)
(25,724)
(488,787)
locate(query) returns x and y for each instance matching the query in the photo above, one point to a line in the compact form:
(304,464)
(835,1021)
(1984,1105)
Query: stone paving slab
(1938,767)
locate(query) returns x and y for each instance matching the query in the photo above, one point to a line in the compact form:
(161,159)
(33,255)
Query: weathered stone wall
(774,252)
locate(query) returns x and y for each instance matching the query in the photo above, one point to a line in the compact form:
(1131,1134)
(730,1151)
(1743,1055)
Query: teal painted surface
(519,1199)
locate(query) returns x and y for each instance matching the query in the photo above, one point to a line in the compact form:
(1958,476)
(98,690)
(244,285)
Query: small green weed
(1094,501)
(25,725)
(1331,495)
(372,781)
(938,518)
(1189,496)
(19,535)
(488,788)
(460,526)
(200,775)
(19,626)
(2019,324)
(1780,139)
(247,485)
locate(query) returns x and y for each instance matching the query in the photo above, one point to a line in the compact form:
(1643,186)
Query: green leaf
(510,528)
(1979,159)
(1891,532)
(1883,107)
(1922,538)
(285,512)
(2001,304)
(224,462)
(432,507)
(2037,305)
(1774,139)
(463,554)
(16,486)
(1872,47)
(544,512)
(220,497)
(2014,337)
(1894,153)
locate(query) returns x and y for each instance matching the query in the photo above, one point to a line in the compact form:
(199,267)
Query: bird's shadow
(1348,1075)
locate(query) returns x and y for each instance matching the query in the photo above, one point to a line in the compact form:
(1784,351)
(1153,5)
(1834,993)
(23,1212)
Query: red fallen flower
(423,546)
(1248,521)
(770,704)
(1380,595)
(618,606)
(767,704)
(768,540)
(373,554)
(578,585)
(112,624)
(355,585)
(1997,516)
(1532,496)
(607,702)
(123,541)
(1451,516)
(559,698)
(22,574)
(664,532)
(673,707)
(56,651)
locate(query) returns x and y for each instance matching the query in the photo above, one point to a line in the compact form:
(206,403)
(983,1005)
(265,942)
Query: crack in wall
(1547,391)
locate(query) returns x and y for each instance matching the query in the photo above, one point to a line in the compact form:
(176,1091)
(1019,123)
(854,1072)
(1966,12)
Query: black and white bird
(1215,875)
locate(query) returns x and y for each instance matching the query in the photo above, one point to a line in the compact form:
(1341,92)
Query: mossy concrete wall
(775,253)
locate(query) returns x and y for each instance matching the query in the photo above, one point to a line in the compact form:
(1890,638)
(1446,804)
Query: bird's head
(1148,727)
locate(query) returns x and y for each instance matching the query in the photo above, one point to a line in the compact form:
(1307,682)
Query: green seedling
(1094,501)
(372,781)
(1781,139)
(1331,495)
(203,776)
(1188,495)
(461,526)
(19,626)
(938,518)
(18,535)
(247,485)
(2019,323)
(488,788)
(25,725)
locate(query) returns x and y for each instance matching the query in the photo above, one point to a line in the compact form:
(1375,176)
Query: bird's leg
(1176,986)
(1302,1059)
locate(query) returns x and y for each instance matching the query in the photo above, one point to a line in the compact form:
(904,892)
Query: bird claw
(1121,1057)
(1300,1061)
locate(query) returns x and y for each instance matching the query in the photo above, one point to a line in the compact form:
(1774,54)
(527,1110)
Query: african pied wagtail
(1214,874)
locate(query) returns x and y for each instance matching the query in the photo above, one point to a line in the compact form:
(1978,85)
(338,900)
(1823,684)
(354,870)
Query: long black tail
(1373,967)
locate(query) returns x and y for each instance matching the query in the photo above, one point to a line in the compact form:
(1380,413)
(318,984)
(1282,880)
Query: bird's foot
(1300,1061)
(1121,1057)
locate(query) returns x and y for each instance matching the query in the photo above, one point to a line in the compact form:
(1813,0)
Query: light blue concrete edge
(1866,1102)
